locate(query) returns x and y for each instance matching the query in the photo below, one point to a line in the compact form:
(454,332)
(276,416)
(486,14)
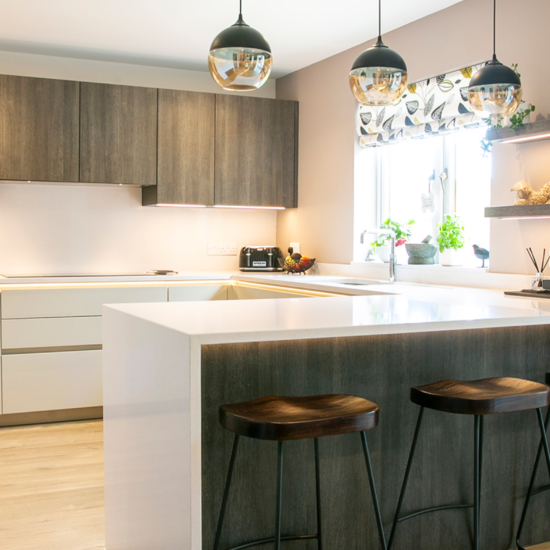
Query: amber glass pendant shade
(379,75)
(495,90)
(240,58)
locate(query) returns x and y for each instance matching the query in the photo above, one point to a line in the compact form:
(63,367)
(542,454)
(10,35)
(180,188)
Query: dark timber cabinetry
(183,148)
(118,134)
(256,160)
(185,169)
(38,129)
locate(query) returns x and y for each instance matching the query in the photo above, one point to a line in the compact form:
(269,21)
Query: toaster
(260,258)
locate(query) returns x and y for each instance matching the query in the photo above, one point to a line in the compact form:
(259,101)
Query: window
(426,179)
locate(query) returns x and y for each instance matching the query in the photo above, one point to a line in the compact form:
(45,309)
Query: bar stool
(543,446)
(292,418)
(476,398)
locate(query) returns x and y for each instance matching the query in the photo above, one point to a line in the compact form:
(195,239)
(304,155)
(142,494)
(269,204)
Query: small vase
(450,257)
(383,252)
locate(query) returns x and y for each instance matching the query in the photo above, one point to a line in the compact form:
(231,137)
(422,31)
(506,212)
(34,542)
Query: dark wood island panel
(382,369)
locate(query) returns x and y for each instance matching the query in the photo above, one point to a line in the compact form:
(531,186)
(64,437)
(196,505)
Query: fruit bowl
(297,264)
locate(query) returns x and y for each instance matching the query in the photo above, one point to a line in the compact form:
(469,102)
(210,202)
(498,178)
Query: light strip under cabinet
(536,137)
(250,207)
(182,205)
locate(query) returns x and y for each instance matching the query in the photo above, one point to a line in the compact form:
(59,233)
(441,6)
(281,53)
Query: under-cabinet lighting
(528,138)
(525,218)
(251,207)
(183,205)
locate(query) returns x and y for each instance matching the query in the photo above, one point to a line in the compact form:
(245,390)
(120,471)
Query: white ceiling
(178,33)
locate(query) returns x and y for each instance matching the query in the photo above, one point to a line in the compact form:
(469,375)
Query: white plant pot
(451,257)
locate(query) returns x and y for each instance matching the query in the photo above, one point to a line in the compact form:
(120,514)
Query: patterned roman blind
(429,107)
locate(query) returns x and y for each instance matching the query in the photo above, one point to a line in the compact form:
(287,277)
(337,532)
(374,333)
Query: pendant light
(379,75)
(495,90)
(240,57)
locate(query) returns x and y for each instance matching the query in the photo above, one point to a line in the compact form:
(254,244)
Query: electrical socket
(222,249)
(227,249)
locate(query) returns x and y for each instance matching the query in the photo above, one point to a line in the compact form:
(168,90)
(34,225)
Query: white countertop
(394,309)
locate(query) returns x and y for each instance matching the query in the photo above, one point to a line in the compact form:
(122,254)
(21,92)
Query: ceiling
(178,33)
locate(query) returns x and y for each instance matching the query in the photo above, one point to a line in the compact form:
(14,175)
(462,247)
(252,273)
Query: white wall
(79,229)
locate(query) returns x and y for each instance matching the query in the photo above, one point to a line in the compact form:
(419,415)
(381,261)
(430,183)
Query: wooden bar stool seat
(287,418)
(291,418)
(487,396)
(476,398)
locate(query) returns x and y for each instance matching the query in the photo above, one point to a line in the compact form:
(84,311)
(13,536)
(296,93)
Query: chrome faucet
(392,250)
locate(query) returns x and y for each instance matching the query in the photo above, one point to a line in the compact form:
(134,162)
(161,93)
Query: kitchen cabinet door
(118,134)
(256,151)
(38,129)
(185,173)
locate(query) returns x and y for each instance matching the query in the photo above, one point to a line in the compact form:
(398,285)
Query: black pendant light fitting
(379,75)
(240,57)
(495,90)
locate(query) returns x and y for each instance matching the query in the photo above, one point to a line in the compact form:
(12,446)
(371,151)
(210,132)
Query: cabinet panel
(197,293)
(246,293)
(118,134)
(73,302)
(185,171)
(50,333)
(39,120)
(256,151)
(51,381)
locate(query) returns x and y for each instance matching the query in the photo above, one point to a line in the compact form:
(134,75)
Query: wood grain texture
(186,148)
(256,151)
(39,121)
(530,129)
(288,418)
(118,134)
(487,396)
(381,369)
(520,211)
(51,487)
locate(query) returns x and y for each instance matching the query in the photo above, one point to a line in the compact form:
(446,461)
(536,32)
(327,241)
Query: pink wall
(450,39)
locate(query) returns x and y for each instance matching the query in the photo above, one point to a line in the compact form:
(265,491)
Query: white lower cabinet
(250,293)
(51,381)
(197,293)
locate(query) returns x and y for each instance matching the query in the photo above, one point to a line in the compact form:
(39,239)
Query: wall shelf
(534,131)
(523,212)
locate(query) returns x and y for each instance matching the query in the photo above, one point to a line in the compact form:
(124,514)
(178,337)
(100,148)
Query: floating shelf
(534,131)
(523,212)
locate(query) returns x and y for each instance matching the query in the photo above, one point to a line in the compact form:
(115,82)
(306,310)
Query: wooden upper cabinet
(256,151)
(118,134)
(38,129)
(185,173)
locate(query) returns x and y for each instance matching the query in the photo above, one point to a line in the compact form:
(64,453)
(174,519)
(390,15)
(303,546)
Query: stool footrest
(272,539)
(435,509)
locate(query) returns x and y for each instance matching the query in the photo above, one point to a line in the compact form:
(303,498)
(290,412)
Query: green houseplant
(451,239)
(402,233)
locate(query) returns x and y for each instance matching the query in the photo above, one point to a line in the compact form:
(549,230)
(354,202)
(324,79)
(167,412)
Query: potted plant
(450,239)
(402,232)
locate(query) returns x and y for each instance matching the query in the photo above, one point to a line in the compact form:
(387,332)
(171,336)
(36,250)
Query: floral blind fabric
(428,107)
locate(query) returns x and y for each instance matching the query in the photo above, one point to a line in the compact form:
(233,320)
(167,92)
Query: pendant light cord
(380,19)
(495,30)
(241,7)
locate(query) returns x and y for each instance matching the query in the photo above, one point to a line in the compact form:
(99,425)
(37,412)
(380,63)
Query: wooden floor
(51,487)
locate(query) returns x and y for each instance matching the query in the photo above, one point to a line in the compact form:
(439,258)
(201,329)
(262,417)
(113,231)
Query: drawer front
(55,332)
(73,302)
(51,381)
(197,293)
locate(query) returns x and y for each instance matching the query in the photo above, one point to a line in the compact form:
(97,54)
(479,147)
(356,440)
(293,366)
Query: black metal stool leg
(318,493)
(406,479)
(279,497)
(478,447)
(226,491)
(373,491)
(542,447)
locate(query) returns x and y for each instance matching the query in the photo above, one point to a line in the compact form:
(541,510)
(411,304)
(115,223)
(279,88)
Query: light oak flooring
(51,487)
